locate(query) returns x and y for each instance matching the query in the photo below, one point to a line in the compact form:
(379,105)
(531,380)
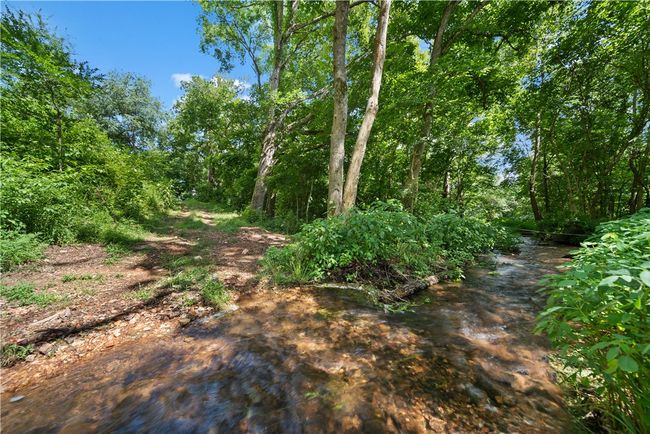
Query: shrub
(383,234)
(17,248)
(81,203)
(598,316)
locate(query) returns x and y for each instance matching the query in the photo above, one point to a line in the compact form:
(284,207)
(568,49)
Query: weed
(24,294)
(17,248)
(115,252)
(73,277)
(142,294)
(187,279)
(192,223)
(229,222)
(11,353)
(214,292)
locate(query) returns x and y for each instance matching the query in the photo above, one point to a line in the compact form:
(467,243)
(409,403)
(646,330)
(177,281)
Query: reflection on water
(306,360)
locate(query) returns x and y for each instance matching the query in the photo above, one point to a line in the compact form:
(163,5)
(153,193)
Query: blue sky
(151,38)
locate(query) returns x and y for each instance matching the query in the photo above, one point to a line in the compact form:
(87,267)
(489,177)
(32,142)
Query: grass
(214,292)
(25,294)
(142,294)
(229,222)
(17,248)
(85,276)
(11,353)
(187,279)
(192,223)
(115,252)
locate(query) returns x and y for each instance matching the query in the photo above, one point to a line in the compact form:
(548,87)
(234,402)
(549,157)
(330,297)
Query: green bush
(598,315)
(463,238)
(382,234)
(17,248)
(89,203)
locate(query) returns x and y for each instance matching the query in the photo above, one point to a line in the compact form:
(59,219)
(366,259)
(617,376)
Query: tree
(125,108)
(40,82)
(354,170)
(340,118)
(285,26)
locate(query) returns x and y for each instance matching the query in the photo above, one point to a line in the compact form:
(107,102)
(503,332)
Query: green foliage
(598,315)
(188,279)
(142,294)
(74,277)
(115,252)
(11,353)
(62,176)
(17,248)
(25,294)
(383,233)
(214,292)
(463,238)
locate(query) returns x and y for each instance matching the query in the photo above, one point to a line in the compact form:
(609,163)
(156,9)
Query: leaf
(613,352)
(628,364)
(608,280)
(645,277)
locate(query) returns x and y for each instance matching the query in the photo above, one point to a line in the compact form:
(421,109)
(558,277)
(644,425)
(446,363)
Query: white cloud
(180,77)
(243,85)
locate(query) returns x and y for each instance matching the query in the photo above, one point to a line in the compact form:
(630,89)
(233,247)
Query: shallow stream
(308,360)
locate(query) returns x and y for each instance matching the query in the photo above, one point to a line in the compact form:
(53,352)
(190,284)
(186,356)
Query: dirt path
(463,359)
(103,297)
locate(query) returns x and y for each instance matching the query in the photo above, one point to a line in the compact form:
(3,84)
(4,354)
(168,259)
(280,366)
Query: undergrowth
(384,240)
(598,315)
(25,294)
(11,353)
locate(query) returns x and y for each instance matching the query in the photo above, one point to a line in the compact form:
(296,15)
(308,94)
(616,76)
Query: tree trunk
(537,139)
(446,185)
(413,178)
(639,179)
(352,181)
(340,119)
(270,132)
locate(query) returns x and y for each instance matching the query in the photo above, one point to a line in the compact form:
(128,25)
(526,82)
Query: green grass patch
(229,222)
(192,223)
(25,294)
(115,252)
(142,293)
(187,279)
(11,353)
(214,292)
(17,248)
(73,277)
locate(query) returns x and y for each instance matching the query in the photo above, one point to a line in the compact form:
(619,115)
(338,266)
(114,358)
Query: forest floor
(97,297)
(121,352)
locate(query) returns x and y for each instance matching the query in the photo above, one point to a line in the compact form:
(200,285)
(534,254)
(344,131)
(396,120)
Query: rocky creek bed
(463,359)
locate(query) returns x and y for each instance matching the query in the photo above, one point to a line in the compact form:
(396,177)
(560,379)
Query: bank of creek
(313,360)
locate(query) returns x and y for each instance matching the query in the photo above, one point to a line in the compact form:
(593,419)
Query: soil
(100,303)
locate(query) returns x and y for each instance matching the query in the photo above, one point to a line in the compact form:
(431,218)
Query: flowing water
(307,360)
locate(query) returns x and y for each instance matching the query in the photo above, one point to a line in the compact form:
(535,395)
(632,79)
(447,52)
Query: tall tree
(359,152)
(340,117)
